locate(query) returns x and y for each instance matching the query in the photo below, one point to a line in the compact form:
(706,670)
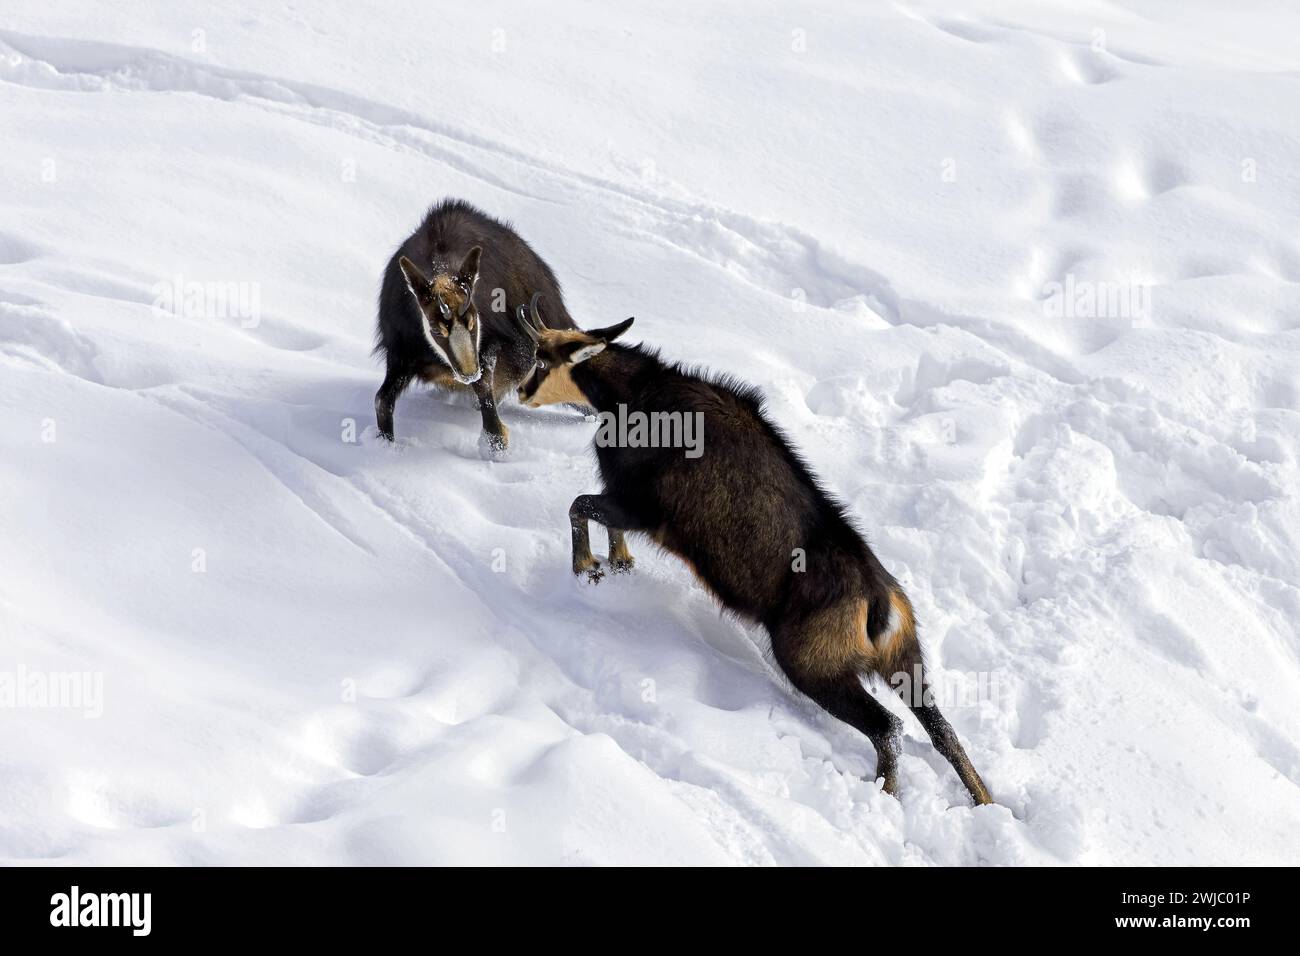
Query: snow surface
(860,207)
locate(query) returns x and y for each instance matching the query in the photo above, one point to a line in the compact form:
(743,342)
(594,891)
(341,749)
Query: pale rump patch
(885,642)
(835,642)
(899,635)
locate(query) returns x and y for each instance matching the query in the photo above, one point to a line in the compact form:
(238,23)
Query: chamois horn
(442,306)
(530,319)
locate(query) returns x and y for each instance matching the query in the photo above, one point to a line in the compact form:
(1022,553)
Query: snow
(901,221)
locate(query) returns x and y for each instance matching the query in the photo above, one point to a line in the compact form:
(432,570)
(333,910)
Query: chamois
(453,327)
(753,524)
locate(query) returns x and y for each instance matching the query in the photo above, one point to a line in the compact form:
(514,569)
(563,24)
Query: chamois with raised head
(445,312)
(753,524)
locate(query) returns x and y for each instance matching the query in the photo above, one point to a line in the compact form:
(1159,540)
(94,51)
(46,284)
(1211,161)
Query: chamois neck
(614,377)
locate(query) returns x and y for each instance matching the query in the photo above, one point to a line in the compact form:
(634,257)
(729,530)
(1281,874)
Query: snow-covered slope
(1023,282)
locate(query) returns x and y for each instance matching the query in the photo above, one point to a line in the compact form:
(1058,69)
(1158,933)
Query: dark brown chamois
(747,516)
(445,312)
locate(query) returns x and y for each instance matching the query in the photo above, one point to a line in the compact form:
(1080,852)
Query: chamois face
(551,381)
(447,314)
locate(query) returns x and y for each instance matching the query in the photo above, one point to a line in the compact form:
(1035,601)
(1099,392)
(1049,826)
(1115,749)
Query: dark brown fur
(438,248)
(758,530)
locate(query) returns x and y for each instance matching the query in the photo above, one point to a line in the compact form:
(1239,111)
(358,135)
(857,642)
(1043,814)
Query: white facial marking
(433,343)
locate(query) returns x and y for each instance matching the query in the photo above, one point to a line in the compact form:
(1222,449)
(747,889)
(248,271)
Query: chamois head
(451,323)
(557,352)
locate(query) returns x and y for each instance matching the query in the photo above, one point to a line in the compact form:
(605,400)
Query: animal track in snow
(1056,467)
(772,256)
(1088,67)
(968,30)
(931,373)
(282,334)
(14,250)
(1135,179)
(32,333)
(1275,749)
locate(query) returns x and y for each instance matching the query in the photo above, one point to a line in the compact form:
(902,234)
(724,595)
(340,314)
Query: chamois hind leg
(822,661)
(909,679)
(602,509)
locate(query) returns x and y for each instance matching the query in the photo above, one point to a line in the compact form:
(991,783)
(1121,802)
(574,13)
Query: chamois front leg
(496,437)
(584,562)
(395,382)
(620,558)
(602,509)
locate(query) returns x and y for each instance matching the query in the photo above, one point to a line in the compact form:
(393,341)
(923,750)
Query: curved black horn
(442,306)
(535,314)
(464,306)
(523,320)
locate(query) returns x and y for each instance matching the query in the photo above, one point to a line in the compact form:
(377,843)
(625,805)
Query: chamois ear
(581,351)
(467,274)
(415,280)
(610,333)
